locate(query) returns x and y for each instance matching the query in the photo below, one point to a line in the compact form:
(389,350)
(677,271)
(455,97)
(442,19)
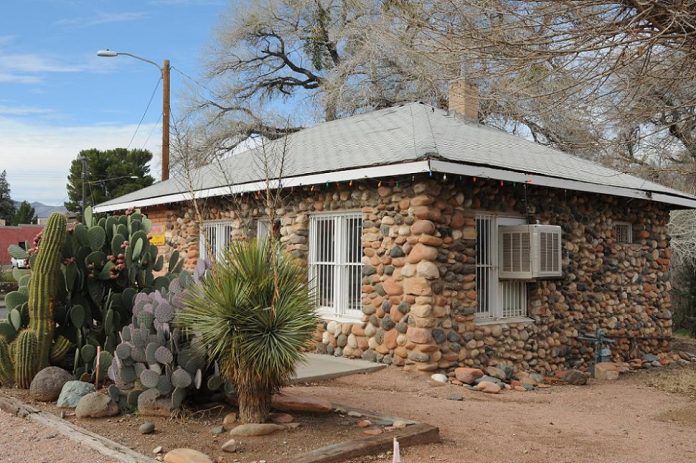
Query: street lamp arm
(141,59)
(112,54)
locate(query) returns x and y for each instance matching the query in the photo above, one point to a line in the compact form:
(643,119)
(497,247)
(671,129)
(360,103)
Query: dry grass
(678,380)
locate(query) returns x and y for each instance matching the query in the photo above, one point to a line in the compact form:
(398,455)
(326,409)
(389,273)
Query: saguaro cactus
(26,360)
(43,288)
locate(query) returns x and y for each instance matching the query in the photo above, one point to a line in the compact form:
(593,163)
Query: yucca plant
(256,315)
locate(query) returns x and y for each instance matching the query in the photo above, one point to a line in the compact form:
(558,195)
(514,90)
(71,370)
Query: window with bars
(335,263)
(214,237)
(497,299)
(623,232)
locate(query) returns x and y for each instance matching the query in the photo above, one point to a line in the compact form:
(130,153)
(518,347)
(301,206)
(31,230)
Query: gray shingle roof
(392,136)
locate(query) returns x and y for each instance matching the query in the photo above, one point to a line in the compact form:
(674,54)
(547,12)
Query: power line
(152,130)
(145,113)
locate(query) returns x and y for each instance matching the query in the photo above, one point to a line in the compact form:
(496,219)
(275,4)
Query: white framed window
(497,299)
(335,263)
(263,229)
(214,236)
(623,232)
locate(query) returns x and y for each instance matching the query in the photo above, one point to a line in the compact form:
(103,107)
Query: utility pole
(165,102)
(165,120)
(84,180)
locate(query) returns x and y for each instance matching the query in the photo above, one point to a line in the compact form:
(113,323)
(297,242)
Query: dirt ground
(23,441)
(631,420)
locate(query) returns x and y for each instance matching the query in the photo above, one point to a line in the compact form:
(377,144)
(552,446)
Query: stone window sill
(500,321)
(330,316)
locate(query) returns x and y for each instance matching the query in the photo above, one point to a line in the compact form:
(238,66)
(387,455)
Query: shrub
(255,314)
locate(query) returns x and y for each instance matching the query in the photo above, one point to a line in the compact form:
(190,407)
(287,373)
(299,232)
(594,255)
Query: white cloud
(22,110)
(37,158)
(10,78)
(102,18)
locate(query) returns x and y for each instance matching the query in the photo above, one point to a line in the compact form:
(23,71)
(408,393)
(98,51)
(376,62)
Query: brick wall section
(419,289)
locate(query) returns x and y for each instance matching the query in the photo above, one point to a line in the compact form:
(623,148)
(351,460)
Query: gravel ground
(23,441)
(622,421)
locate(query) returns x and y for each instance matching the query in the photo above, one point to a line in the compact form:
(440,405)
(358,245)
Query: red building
(15,235)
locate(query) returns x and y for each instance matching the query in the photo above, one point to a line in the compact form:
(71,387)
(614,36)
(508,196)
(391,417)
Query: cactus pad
(178,396)
(164,385)
(123,350)
(164,355)
(181,379)
(149,378)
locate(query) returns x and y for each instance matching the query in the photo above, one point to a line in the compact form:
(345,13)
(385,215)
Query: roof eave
(408,168)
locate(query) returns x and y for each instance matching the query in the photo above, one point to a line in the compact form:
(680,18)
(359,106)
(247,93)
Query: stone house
(434,242)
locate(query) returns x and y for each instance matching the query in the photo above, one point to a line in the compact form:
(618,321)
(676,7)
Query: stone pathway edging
(101,444)
(414,433)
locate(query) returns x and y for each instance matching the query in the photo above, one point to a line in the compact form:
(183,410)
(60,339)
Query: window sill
(332,317)
(501,321)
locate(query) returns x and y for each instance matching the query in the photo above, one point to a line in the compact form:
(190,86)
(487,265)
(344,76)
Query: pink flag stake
(96,368)
(396,454)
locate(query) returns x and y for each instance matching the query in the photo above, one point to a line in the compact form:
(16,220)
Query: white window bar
(335,262)
(497,299)
(215,236)
(623,232)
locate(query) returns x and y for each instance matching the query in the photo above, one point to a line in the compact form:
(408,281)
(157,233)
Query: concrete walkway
(322,367)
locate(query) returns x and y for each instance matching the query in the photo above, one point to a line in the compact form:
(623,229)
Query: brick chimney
(463,99)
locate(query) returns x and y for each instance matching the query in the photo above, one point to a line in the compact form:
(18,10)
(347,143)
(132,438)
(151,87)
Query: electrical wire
(152,130)
(145,113)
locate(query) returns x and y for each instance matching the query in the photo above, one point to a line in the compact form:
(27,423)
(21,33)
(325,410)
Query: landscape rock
(72,392)
(456,397)
(149,404)
(292,402)
(96,405)
(281,418)
(496,373)
(489,379)
(606,371)
(467,375)
(231,446)
(255,429)
(364,423)
(186,456)
(488,387)
(439,378)
(48,384)
(158,449)
(229,420)
(575,377)
(147,428)
(218,430)
(373,432)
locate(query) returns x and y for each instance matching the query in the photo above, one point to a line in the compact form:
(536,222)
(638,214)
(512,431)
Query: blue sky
(57,97)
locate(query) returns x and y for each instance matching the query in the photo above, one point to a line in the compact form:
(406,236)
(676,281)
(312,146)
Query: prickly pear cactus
(106,262)
(158,358)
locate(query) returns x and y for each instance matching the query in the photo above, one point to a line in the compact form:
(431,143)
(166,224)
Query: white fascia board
(289,182)
(519,177)
(406,169)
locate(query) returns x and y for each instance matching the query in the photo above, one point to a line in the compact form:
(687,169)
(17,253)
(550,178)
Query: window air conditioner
(527,252)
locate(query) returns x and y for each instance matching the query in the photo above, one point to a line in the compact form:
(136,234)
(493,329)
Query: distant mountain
(44,210)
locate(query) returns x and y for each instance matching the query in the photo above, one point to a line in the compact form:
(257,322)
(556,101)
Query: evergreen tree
(25,214)
(7,207)
(109,174)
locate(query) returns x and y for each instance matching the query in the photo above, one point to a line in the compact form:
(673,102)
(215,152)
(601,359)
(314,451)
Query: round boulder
(47,384)
(96,405)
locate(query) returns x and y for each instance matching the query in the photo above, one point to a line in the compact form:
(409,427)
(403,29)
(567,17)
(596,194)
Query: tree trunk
(254,405)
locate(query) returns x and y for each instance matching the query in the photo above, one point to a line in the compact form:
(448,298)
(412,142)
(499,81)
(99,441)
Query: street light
(164,69)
